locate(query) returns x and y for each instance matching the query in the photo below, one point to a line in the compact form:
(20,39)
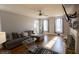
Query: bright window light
(59,26)
(36,26)
(45,25)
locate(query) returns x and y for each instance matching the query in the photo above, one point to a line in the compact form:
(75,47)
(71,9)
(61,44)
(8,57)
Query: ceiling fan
(41,13)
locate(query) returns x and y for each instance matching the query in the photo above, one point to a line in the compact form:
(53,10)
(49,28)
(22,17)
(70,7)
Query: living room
(36,22)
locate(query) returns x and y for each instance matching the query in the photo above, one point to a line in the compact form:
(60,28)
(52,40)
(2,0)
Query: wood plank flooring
(48,42)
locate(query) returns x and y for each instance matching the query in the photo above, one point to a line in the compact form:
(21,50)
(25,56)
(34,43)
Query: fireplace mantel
(75,34)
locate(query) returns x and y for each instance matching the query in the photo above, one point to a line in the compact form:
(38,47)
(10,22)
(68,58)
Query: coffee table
(38,37)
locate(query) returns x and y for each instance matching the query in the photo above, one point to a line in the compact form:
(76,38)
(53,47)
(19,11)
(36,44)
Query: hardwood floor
(49,42)
(56,44)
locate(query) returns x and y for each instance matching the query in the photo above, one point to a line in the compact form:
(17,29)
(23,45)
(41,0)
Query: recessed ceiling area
(31,10)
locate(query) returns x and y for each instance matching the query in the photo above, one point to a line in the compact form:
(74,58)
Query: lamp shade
(2,37)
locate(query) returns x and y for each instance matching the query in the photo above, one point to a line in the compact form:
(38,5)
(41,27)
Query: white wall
(12,22)
(0,24)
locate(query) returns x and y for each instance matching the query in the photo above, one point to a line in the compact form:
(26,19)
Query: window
(45,25)
(59,26)
(36,26)
(40,26)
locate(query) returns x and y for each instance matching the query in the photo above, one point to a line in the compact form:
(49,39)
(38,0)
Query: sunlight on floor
(56,44)
(45,40)
(51,43)
(59,45)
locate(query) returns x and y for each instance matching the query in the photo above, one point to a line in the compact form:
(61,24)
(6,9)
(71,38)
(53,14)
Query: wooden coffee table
(39,37)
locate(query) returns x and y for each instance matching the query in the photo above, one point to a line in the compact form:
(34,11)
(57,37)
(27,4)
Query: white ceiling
(32,9)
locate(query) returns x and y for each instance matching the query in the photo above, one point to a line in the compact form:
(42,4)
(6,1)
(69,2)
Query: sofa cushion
(13,43)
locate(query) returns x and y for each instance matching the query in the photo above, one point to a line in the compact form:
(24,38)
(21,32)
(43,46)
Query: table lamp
(2,38)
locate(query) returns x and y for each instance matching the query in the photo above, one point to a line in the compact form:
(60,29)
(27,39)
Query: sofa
(16,35)
(13,43)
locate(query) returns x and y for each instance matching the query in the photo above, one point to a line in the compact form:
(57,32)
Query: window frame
(48,25)
(62,25)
